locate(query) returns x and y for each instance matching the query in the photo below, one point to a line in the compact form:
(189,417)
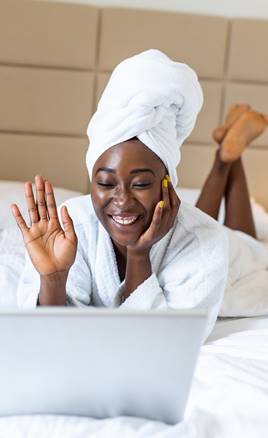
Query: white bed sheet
(229,396)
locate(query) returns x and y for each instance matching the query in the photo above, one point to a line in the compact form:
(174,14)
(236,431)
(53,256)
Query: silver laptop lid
(98,362)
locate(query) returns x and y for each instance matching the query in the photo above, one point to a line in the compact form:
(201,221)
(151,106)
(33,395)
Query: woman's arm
(53,289)
(51,249)
(138,267)
(137,271)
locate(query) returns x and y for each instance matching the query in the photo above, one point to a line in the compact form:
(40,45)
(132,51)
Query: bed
(49,88)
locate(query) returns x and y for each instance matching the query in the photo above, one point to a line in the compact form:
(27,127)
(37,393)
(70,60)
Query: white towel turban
(151,97)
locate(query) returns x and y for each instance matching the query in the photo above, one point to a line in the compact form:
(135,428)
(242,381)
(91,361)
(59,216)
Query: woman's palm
(50,247)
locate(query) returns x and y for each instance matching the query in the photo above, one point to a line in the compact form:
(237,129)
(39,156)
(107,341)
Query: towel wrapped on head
(150,97)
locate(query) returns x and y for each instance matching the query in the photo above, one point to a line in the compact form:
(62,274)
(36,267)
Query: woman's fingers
(174,199)
(163,218)
(67,224)
(32,209)
(50,201)
(174,205)
(44,208)
(20,221)
(153,230)
(40,197)
(171,203)
(165,194)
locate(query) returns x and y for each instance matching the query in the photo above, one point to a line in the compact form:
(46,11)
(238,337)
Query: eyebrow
(140,170)
(105,169)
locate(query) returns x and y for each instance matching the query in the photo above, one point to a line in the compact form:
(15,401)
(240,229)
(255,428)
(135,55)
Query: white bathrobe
(189,265)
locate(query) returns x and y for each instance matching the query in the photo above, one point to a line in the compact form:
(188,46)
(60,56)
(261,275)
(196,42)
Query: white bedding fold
(246,293)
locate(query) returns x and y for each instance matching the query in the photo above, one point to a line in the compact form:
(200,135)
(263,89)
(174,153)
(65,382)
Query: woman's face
(126,186)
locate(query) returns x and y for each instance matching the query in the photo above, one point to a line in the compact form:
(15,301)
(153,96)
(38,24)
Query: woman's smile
(125,222)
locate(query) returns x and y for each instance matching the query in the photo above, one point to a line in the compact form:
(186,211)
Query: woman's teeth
(125,220)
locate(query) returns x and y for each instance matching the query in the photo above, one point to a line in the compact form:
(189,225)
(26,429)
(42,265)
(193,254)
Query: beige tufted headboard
(55,59)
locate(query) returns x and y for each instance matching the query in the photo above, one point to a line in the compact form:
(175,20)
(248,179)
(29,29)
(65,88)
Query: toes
(219,133)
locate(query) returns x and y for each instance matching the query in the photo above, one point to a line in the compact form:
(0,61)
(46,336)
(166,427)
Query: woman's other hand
(162,221)
(51,248)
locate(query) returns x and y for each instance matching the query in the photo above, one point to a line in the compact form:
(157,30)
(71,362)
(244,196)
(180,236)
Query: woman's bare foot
(234,112)
(248,126)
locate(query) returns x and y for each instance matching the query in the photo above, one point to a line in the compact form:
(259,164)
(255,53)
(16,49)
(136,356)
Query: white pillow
(259,213)
(12,192)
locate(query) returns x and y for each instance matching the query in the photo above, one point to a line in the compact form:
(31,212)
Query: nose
(122,196)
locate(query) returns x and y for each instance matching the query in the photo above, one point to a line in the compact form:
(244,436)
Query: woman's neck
(121,259)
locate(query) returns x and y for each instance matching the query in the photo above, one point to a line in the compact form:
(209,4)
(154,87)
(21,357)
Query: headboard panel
(55,59)
(45,101)
(131,31)
(47,86)
(59,158)
(48,34)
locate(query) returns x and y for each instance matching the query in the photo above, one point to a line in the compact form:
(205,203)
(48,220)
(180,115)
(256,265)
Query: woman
(132,243)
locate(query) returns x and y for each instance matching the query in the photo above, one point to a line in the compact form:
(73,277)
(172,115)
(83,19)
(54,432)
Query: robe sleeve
(79,282)
(29,285)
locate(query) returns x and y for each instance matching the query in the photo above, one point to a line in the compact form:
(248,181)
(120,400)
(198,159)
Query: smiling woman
(132,243)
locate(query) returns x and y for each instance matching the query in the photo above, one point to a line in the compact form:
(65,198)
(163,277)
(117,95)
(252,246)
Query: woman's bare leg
(227,179)
(238,212)
(215,185)
(214,189)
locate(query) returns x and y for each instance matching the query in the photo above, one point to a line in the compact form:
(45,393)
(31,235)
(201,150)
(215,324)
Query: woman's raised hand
(51,248)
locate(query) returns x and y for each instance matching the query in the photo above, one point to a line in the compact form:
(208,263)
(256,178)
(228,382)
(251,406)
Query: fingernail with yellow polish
(168,178)
(161,204)
(165,183)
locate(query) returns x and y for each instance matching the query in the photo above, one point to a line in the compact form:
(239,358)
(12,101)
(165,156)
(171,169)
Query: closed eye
(135,186)
(104,184)
(142,186)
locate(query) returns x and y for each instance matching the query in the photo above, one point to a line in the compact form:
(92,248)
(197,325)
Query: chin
(124,241)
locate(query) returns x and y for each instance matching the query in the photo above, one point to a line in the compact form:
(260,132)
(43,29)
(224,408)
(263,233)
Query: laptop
(98,362)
